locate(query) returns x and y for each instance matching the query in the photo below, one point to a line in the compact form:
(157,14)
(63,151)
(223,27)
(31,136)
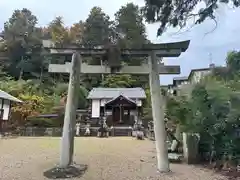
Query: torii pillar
(158,116)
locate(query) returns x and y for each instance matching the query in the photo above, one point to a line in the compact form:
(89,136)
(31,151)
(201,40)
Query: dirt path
(107,159)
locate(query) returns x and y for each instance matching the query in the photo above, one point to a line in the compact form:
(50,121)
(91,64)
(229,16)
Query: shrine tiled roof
(109,93)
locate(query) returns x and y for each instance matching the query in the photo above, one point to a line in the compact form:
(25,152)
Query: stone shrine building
(121,106)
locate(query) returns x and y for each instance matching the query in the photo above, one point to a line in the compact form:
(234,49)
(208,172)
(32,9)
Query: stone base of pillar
(63,173)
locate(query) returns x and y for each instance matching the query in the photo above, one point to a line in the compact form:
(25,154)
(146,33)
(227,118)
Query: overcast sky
(224,39)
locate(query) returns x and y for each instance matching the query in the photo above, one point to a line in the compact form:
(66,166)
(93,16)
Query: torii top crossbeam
(114,61)
(173,49)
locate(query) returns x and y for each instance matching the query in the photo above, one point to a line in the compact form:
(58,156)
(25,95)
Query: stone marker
(67,144)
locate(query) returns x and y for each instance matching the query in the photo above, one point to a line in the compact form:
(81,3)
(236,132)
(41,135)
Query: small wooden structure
(120,106)
(5,107)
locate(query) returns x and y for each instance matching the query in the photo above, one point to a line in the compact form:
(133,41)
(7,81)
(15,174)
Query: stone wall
(57,132)
(35,131)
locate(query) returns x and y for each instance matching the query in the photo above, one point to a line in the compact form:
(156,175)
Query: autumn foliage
(32,105)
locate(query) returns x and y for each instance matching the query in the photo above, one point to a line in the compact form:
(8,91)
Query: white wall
(198,75)
(5,105)
(95,108)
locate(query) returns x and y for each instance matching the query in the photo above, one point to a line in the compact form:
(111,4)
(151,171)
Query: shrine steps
(121,131)
(115,131)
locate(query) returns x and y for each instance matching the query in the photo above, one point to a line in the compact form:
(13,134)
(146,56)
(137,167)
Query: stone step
(121,132)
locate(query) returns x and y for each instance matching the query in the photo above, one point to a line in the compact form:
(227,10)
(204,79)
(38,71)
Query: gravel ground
(107,159)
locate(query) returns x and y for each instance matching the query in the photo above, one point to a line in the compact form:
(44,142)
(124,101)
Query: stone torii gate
(153,68)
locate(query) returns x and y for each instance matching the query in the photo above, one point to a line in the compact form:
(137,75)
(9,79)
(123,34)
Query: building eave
(6,96)
(126,98)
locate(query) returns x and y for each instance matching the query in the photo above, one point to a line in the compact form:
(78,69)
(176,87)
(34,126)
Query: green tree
(23,40)
(96,32)
(59,33)
(232,69)
(129,23)
(233,62)
(97,28)
(76,32)
(177,111)
(147,106)
(35,99)
(213,113)
(60,90)
(115,81)
(177,13)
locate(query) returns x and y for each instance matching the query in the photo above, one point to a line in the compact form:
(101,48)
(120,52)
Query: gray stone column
(67,141)
(158,115)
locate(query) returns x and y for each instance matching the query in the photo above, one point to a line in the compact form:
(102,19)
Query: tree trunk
(20,74)
(158,116)
(102,74)
(178,133)
(67,142)
(21,70)
(41,75)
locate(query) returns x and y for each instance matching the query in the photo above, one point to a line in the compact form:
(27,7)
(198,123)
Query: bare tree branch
(214,28)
